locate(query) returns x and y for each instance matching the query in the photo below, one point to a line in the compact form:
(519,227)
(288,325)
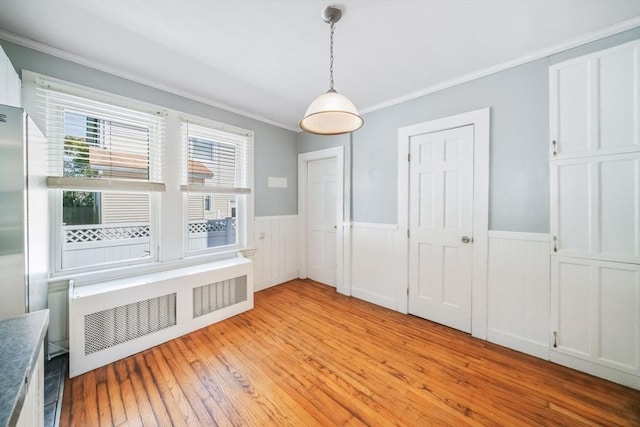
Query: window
(105,166)
(218,184)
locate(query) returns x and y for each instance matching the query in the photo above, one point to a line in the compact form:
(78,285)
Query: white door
(440,223)
(322,220)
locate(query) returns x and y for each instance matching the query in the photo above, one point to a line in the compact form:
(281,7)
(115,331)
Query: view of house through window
(102,227)
(215,175)
(211,221)
(106,175)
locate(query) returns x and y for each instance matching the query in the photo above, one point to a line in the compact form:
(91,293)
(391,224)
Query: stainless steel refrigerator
(24,224)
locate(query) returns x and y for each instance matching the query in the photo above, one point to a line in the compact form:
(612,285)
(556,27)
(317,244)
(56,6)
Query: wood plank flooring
(308,356)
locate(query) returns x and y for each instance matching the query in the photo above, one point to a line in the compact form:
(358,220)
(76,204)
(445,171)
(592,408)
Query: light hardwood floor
(308,356)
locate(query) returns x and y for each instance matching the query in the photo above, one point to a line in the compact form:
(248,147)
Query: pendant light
(331,113)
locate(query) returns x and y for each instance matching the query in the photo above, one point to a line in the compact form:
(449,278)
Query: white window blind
(217,160)
(95,144)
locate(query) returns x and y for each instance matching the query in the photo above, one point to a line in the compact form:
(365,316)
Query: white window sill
(107,274)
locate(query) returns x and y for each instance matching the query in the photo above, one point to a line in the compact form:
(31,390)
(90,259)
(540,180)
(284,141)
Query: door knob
(466,239)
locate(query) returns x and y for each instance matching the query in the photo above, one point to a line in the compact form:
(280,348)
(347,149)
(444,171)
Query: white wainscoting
(519,291)
(276,256)
(376,263)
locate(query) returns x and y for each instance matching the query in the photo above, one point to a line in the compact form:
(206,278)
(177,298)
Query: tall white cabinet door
(595,103)
(595,213)
(595,312)
(595,207)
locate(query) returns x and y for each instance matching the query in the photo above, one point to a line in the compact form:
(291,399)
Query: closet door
(595,103)
(595,207)
(595,312)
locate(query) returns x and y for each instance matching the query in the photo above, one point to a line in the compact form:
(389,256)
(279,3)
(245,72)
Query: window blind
(93,144)
(217,160)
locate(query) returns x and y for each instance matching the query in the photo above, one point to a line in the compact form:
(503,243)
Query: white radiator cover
(112,320)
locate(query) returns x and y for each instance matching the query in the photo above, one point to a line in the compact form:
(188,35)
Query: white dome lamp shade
(331,113)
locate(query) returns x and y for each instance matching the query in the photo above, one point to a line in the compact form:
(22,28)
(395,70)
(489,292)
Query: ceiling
(269,59)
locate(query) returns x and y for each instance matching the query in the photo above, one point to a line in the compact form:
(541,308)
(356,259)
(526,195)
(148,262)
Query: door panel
(617,72)
(595,207)
(595,103)
(619,315)
(572,307)
(441,212)
(574,181)
(322,217)
(595,311)
(619,219)
(573,109)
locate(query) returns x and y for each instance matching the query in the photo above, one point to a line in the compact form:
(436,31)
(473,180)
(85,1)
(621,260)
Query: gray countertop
(20,342)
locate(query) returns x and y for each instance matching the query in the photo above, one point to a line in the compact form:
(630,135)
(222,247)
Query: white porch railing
(209,233)
(103,243)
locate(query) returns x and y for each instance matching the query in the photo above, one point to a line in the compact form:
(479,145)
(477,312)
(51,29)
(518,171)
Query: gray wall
(519,170)
(275,148)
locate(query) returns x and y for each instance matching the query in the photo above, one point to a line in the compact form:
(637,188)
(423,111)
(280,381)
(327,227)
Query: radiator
(115,319)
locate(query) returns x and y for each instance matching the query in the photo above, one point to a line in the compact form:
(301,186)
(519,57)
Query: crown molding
(99,66)
(569,44)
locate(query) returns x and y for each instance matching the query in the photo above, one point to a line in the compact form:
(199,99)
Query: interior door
(322,220)
(440,224)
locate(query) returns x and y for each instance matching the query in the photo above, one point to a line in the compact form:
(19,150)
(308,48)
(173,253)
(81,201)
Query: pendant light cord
(331,57)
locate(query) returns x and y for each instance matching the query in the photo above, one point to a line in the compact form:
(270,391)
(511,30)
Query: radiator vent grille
(218,295)
(117,325)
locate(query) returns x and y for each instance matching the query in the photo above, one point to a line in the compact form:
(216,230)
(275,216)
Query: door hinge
(409,157)
(555,244)
(407,291)
(555,339)
(408,234)
(555,147)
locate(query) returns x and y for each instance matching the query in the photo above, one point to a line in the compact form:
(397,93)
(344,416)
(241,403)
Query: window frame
(58,184)
(244,199)
(166,197)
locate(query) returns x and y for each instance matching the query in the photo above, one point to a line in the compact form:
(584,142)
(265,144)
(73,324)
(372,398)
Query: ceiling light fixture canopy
(331,113)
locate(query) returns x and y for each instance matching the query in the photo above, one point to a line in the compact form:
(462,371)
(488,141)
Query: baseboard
(374,299)
(517,343)
(274,281)
(275,218)
(597,370)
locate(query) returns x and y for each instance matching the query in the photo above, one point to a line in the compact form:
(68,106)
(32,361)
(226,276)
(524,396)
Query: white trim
(96,65)
(521,344)
(276,218)
(374,225)
(215,125)
(265,284)
(303,161)
(520,235)
(569,44)
(99,66)
(90,276)
(480,119)
(624,378)
(376,299)
(90,93)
